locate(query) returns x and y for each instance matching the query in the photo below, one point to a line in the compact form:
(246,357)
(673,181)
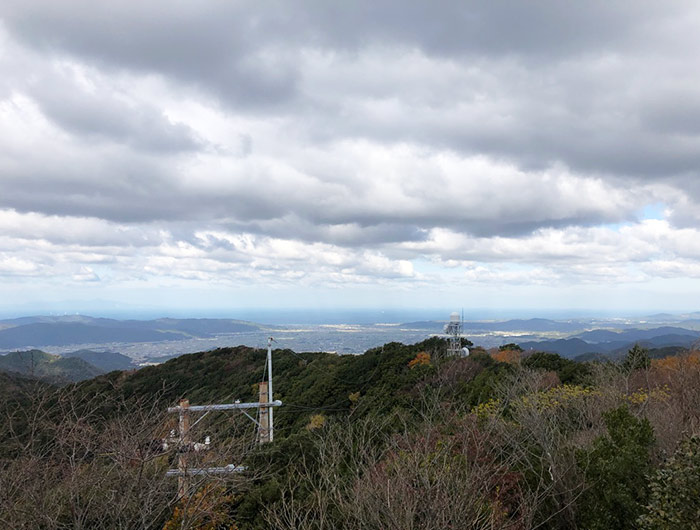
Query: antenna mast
(453,330)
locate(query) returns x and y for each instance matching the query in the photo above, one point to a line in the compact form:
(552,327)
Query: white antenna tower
(454,331)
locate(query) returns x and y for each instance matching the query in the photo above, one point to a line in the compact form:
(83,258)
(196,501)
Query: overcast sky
(221,154)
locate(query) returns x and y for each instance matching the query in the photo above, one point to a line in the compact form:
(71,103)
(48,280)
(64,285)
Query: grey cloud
(173,31)
(104,117)
(211,46)
(107,187)
(244,52)
(127,187)
(352,234)
(613,125)
(557,108)
(122,188)
(675,113)
(530,91)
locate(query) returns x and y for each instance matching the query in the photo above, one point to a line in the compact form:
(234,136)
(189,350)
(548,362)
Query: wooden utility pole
(183,410)
(264,415)
(184,435)
(265,428)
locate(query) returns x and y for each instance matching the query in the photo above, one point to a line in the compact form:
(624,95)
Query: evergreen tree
(616,468)
(637,359)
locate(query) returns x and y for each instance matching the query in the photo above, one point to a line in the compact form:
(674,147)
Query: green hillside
(399,437)
(13,385)
(106,361)
(306,383)
(42,365)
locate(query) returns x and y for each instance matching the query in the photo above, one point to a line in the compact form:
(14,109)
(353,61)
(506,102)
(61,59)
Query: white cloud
(300,148)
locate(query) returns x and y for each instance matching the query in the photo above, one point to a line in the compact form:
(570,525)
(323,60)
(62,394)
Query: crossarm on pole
(228,406)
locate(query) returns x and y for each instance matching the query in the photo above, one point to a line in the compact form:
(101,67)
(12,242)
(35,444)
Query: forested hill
(67,368)
(53,368)
(399,437)
(307,383)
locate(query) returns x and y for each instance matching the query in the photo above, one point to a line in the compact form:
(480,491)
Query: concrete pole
(264,416)
(184,434)
(269,387)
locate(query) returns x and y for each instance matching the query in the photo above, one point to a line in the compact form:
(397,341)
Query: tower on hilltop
(453,330)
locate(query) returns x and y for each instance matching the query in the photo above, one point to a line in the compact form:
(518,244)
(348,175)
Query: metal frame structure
(265,428)
(454,331)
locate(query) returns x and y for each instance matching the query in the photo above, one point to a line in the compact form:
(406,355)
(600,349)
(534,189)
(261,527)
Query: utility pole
(263,415)
(265,428)
(183,410)
(269,388)
(184,435)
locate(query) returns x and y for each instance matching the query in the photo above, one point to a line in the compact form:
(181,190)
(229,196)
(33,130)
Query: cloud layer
(389,146)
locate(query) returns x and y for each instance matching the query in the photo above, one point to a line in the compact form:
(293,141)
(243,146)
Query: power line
(264,421)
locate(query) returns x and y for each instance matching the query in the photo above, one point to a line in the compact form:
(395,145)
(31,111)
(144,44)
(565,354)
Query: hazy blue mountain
(693,323)
(658,343)
(52,319)
(595,356)
(532,324)
(671,340)
(619,354)
(64,334)
(203,326)
(79,329)
(633,335)
(600,335)
(661,316)
(577,347)
(36,363)
(105,361)
(565,347)
(679,319)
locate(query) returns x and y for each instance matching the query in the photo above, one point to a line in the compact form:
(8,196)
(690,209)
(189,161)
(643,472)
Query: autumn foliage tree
(421,359)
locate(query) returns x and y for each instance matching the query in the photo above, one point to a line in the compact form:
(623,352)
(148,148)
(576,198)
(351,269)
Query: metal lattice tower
(453,330)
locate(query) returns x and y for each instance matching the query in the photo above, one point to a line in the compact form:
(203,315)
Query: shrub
(675,490)
(615,468)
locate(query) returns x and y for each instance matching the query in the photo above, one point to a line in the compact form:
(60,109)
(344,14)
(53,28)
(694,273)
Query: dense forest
(401,437)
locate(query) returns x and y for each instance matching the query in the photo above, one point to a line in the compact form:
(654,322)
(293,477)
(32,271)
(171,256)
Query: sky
(210,156)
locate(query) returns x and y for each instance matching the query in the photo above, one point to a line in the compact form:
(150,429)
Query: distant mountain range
(570,338)
(605,335)
(67,330)
(618,355)
(596,341)
(601,341)
(532,324)
(565,347)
